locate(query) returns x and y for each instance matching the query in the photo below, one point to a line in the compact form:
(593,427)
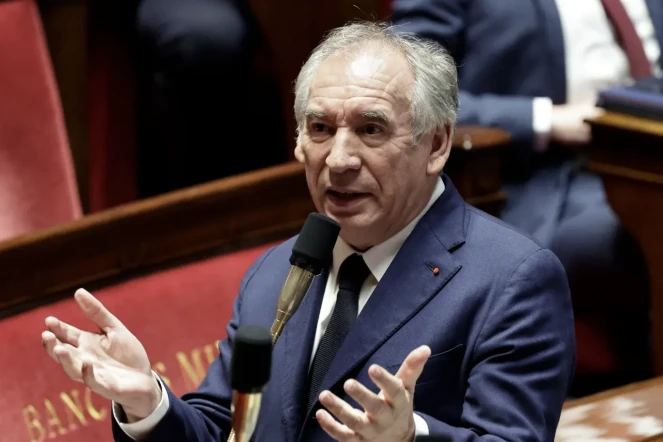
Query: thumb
(88,375)
(413,366)
(95,311)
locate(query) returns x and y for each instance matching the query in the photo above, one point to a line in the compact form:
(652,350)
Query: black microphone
(251,360)
(311,253)
(250,368)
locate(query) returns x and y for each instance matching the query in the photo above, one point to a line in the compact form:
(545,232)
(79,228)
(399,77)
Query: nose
(343,155)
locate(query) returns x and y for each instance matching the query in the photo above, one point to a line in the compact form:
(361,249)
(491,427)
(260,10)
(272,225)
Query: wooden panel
(130,239)
(627,153)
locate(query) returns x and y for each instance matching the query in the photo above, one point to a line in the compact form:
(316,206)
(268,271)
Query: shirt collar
(378,258)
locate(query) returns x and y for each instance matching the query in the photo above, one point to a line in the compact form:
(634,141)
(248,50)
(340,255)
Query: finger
(67,355)
(413,366)
(354,419)
(64,332)
(49,341)
(334,429)
(391,387)
(95,311)
(370,402)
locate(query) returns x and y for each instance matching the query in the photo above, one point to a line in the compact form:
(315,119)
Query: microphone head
(251,362)
(315,243)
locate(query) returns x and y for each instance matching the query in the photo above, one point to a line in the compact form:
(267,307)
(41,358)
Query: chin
(358,225)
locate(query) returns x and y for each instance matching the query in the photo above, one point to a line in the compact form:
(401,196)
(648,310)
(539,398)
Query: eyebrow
(372,115)
(375,115)
(314,115)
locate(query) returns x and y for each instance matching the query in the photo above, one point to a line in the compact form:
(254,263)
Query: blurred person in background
(533,68)
(203,92)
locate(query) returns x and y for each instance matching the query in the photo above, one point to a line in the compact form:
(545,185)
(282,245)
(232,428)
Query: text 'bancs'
(68,411)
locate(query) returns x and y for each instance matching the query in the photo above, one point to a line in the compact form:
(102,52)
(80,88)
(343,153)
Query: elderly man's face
(361,167)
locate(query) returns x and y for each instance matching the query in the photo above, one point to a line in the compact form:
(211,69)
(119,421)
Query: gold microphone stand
(294,289)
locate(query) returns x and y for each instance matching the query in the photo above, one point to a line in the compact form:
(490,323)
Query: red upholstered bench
(178,314)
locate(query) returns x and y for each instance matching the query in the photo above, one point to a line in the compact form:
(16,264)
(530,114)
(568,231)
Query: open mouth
(345,195)
(346,198)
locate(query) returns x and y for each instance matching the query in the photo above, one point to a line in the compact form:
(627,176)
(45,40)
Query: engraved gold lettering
(160,368)
(95,414)
(53,423)
(74,409)
(34,426)
(193,371)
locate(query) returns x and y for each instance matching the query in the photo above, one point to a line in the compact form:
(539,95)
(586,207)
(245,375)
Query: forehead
(362,78)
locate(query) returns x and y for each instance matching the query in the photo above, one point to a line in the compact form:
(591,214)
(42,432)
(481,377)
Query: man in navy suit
(456,324)
(534,68)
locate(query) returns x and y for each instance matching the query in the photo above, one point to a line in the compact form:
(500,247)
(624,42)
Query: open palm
(112,362)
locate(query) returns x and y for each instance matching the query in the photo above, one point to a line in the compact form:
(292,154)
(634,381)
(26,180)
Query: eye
(372,129)
(318,128)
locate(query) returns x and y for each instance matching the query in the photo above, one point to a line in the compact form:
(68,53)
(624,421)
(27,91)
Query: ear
(299,152)
(440,149)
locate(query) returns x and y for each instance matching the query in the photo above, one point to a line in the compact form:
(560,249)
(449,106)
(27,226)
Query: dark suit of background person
(511,51)
(201,91)
(497,318)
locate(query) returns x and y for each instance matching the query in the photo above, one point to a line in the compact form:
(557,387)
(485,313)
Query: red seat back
(37,178)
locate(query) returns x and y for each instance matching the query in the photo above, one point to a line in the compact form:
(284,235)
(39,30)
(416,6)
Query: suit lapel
(554,36)
(408,284)
(656,13)
(297,343)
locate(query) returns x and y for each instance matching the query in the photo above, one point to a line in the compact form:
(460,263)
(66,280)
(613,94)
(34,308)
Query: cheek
(314,162)
(314,153)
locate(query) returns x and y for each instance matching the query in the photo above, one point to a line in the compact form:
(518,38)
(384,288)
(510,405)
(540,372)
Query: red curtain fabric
(37,178)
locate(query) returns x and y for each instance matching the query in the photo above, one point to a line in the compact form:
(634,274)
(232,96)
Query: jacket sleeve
(523,360)
(445,21)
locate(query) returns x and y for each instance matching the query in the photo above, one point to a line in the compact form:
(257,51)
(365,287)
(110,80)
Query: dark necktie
(351,276)
(628,38)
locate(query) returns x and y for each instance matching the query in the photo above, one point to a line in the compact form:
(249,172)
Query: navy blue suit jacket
(507,53)
(497,317)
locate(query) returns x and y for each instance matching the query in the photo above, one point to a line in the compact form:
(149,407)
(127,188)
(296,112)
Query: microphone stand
(294,289)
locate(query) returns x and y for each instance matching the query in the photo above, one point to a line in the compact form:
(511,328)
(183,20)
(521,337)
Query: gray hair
(434,95)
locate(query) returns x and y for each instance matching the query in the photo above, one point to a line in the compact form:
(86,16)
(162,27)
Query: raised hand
(387,416)
(112,362)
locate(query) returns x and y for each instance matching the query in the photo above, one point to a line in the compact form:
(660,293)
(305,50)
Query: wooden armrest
(479,137)
(128,240)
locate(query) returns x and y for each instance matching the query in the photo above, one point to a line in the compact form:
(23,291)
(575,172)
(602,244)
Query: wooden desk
(627,153)
(632,413)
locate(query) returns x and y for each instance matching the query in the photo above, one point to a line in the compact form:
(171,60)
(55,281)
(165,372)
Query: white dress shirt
(594,59)
(377,258)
